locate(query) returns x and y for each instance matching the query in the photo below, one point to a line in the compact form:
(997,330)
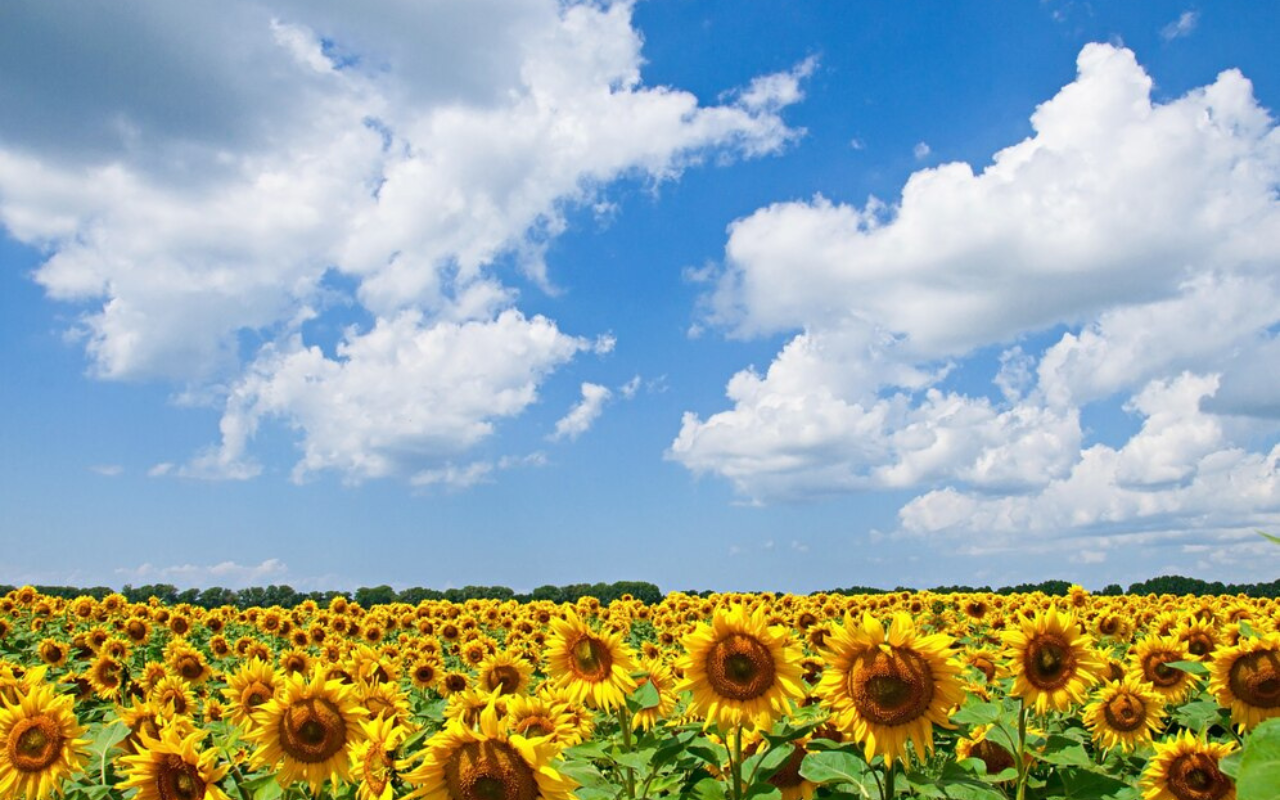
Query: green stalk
(735,764)
(889,770)
(1022,749)
(629,774)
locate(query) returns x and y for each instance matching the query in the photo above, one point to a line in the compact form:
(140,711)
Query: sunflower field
(972,696)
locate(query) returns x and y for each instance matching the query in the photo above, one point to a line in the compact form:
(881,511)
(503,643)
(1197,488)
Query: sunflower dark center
(179,780)
(312,730)
(1255,679)
(591,659)
(1195,776)
(534,726)
(995,756)
(489,770)
(35,743)
(1198,644)
(1125,713)
(740,667)
(1157,671)
(505,679)
(892,688)
(1050,663)
(255,694)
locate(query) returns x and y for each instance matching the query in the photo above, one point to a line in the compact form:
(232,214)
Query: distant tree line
(370,596)
(286,596)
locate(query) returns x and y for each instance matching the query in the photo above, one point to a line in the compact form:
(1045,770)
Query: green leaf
(645,696)
(709,789)
(638,761)
(764,764)
(1194,667)
(1198,715)
(1065,752)
(763,791)
(672,747)
(585,773)
(835,766)
(1260,763)
(977,713)
(1264,535)
(1076,784)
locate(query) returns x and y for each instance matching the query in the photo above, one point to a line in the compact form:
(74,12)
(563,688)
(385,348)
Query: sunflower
(595,668)
(173,767)
(53,652)
(107,676)
(247,688)
(383,700)
(1186,768)
(505,673)
(1245,678)
(1052,661)
(1149,659)
(139,718)
(541,715)
(424,673)
(740,670)
(172,697)
(374,765)
(307,730)
(888,688)
(487,763)
(1124,714)
(39,742)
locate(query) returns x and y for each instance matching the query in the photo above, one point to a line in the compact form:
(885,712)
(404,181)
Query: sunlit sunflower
(53,652)
(890,688)
(173,697)
(487,763)
(107,677)
(1125,714)
(39,743)
(253,684)
(1149,659)
(187,662)
(424,673)
(173,767)
(1200,636)
(139,717)
(595,668)
(505,673)
(374,765)
(307,730)
(1052,661)
(539,715)
(1245,678)
(383,700)
(1186,768)
(740,670)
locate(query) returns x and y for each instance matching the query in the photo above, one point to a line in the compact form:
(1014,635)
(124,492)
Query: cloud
(107,470)
(921,151)
(584,413)
(228,574)
(204,202)
(1139,239)
(1181,27)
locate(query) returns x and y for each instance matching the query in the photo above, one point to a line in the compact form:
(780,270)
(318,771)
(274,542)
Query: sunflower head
(1186,768)
(1245,678)
(40,744)
(890,687)
(594,666)
(741,670)
(1124,714)
(1052,660)
(173,767)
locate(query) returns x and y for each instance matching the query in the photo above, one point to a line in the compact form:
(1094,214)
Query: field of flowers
(763,696)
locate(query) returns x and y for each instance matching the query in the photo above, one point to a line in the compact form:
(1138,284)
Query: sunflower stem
(629,774)
(1022,748)
(235,768)
(890,769)
(735,763)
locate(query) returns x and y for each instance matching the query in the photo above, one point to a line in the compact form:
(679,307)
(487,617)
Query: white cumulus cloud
(584,413)
(1148,233)
(253,165)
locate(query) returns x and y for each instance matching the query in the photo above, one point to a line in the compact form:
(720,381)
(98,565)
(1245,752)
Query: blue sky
(724,295)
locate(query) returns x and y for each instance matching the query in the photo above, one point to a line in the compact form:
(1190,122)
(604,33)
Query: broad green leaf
(1260,764)
(1194,667)
(834,766)
(763,791)
(709,789)
(763,765)
(977,713)
(646,696)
